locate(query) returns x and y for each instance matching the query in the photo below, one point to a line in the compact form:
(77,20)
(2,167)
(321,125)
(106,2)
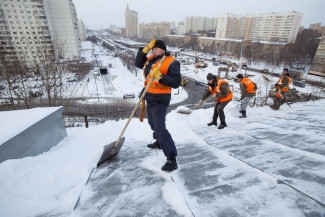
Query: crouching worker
(248,91)
(223,97)
(282,86)
(159,94)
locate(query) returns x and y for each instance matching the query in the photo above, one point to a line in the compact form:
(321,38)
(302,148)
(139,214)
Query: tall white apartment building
(180,29)
(265,27)
(233,26)
(154,30)
(82,30)
(276,27)
(35,25)
(131,23)
(200,24)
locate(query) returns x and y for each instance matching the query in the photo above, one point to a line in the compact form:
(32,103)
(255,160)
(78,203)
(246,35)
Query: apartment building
(318,65)
(200,24)
(180,29)
(131,23)
(265,27)
(154,30)
(34,26)
(318,27)
(82,30)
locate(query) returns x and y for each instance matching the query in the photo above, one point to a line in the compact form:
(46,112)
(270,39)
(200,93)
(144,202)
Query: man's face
(156,51)
(210,81)
(284,72)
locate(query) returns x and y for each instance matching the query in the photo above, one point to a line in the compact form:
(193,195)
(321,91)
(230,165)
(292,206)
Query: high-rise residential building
(131,23)
(180,29)
(32,25)
(230,26)
(82,30)
(318,65)
(200,24)
(318,27)
(154,30)
(265,27)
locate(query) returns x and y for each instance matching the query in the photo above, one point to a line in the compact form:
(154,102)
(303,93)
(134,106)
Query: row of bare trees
(298,54)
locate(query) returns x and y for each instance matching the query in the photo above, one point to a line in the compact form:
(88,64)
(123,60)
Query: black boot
(222,125)
(243,114)
(213,122)
(154,145)
(170,165)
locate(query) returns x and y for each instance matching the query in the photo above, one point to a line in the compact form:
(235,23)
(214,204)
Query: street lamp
(241,53)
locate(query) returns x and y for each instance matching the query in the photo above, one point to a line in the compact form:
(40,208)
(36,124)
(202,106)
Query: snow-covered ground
(270,164)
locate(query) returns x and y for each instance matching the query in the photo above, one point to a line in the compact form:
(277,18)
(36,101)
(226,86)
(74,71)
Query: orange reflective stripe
(155,86)
(249,85)
(217,90)
(281,82)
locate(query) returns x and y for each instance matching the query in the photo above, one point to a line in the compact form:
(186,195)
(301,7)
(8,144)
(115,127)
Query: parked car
(128,95)
(6,102)
(35,93)
(200,83)
(298,83)
(264,70)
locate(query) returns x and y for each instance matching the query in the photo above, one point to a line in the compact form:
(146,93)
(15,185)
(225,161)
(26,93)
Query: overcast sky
(98,14)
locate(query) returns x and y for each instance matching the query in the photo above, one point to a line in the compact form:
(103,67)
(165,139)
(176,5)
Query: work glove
(201,102)
(156,73)
(149,46)
(276,85)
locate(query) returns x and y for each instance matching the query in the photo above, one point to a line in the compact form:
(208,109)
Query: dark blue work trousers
(157,120)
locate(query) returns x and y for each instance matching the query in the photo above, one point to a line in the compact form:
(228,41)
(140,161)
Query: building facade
(180,29)
(266,27)
(318,65)
(200,24)
(154,30)
(131,23)
(82,30)
(35,26)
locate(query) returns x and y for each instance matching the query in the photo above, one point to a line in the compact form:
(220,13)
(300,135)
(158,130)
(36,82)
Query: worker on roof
(159,94)
(223,96)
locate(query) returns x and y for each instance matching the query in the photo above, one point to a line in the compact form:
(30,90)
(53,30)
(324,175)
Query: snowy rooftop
(270,164)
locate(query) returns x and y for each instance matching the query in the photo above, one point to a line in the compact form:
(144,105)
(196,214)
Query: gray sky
(98,14)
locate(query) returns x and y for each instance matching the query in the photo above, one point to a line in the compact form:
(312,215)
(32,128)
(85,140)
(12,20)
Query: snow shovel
(189,111)
(111,150)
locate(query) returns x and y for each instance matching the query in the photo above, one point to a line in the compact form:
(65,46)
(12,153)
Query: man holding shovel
(248,91)
(159,94)
(223,97)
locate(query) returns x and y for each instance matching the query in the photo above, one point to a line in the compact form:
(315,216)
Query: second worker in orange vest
(223,97)
(248,91)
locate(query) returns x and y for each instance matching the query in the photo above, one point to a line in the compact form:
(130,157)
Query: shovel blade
(110,151)
(182,111)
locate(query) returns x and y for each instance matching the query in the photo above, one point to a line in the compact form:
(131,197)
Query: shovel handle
(197,105)
(137,105)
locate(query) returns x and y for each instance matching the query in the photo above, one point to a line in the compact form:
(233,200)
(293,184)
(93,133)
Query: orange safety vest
(280,81)
(216,89)
(250,87)
(155,86)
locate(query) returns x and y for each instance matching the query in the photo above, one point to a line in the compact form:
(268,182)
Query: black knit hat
(210,76)
(161,44)
(240,76)
(286,69)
